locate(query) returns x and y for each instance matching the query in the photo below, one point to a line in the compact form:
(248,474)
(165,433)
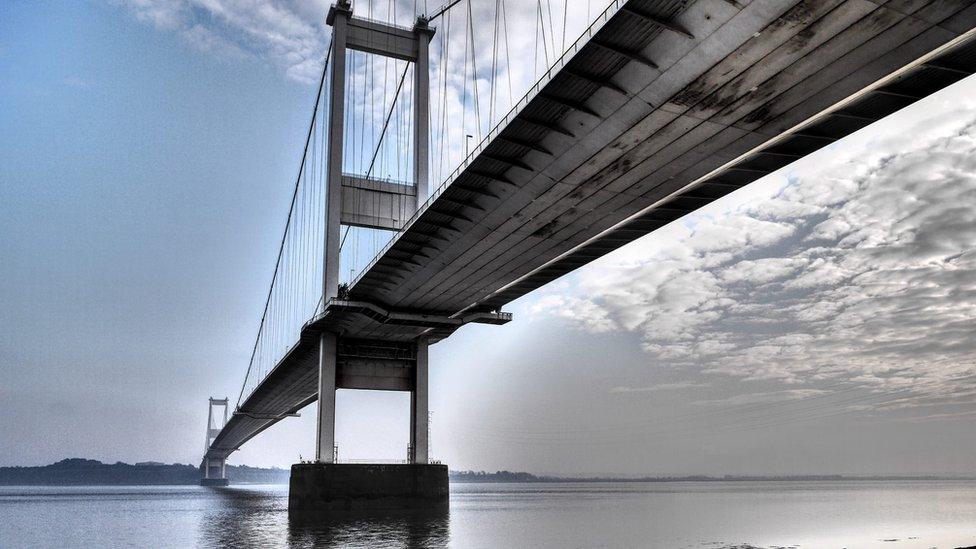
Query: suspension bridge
(658,108)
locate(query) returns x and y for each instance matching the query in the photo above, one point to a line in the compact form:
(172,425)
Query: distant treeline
(752,478)
(77,471)
(508,476)
(498,476)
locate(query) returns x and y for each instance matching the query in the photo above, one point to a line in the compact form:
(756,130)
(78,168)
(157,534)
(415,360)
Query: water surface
(713,515)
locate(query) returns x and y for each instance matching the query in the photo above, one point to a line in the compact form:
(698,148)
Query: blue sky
(143,194)
(817,321)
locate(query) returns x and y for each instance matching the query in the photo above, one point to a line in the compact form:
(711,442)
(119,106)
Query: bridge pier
(349,363)
(325,485)
(214,472)
(325,426)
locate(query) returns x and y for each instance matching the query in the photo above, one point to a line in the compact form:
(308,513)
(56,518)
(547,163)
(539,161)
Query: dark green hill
(77,471)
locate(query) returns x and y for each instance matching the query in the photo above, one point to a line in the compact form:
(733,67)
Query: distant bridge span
(660,108)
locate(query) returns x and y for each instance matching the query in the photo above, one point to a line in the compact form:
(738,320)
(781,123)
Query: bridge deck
(640,124)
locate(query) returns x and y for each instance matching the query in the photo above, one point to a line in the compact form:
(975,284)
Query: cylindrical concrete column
(419,412)
(325,432)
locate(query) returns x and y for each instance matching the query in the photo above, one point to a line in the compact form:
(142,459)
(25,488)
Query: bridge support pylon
(214,473)
(214,469)
(325,485)
(345,360)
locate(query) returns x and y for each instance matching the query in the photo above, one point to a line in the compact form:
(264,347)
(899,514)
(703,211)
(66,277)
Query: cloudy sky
(820,320)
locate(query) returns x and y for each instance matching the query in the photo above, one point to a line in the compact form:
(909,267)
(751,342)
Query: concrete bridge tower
(214,470)
(347,359)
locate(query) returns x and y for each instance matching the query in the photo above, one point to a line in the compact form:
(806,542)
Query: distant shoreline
(86,472)
(89,472)
(505,476)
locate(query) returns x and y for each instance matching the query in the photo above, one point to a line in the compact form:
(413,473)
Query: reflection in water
(241,517)
(418,529)
(251,518)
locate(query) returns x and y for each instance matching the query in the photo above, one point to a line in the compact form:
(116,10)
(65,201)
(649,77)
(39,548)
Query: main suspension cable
(291,207)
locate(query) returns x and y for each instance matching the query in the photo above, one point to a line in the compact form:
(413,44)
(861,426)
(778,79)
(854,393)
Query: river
(713,515)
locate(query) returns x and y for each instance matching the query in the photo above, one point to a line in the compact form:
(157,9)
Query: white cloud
(761,271)
(763,397)
(594,317)
(862,272)
(659,387)
(291,35)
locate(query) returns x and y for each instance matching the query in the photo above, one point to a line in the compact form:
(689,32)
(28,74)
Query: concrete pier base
(214,482)
(317,487)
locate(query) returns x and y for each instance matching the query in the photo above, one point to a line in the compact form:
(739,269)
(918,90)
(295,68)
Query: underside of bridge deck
(643,124)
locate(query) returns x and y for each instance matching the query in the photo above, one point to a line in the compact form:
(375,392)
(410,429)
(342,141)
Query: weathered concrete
(214,482)
(317,487)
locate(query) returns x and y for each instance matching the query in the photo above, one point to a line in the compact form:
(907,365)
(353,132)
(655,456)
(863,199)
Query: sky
(819,320)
